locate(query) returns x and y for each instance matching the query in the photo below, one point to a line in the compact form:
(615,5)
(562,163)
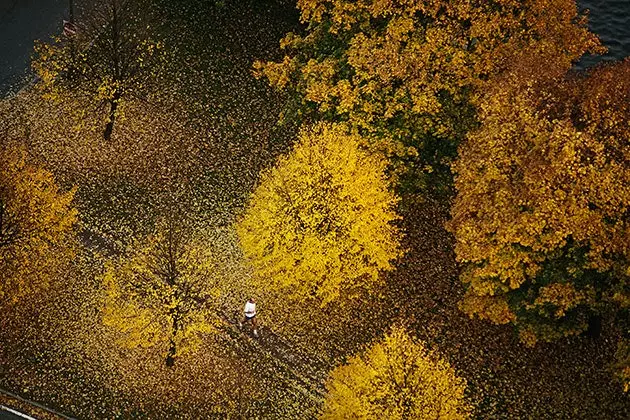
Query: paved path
(21,23)
(15,414)
(10,414)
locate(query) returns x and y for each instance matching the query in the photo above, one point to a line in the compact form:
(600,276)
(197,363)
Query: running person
(250,315)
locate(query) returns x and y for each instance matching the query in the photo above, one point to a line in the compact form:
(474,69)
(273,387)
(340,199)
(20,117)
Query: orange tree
(36,224)
(320,223)
(405,73)
(397,378)
(541,214)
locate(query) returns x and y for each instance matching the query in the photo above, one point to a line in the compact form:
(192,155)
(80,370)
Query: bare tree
(112,56)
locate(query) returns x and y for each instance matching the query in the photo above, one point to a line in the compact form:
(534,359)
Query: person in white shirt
(250,315)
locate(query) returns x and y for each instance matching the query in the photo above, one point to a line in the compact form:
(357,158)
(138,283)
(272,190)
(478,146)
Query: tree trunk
(594,329)
(170,357)
(172,350)
(113,105)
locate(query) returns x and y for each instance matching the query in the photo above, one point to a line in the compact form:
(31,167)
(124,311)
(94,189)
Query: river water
(23,21)
(610,19)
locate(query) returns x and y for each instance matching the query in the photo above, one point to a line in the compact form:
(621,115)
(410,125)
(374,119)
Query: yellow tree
(406,72)
(165,292)
(321,222)
(112,58)
(541,215)
(397,378)
(36,226)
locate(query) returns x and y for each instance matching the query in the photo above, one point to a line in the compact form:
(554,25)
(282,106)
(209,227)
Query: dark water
(610,19)
(23,21)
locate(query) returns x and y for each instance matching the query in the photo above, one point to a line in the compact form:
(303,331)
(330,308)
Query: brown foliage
(406,73)
(541,216)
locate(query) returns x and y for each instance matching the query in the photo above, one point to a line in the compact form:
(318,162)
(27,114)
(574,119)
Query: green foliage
(321,222)
(397,378)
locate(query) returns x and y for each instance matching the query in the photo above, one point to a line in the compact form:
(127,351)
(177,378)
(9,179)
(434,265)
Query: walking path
(7,413)
(13,407)
(306,372)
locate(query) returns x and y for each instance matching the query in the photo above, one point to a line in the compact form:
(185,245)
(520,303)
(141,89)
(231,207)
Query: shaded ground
(26,408)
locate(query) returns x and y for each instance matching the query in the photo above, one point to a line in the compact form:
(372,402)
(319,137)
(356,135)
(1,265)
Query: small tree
(321,221)
(113,57)
(164,293)
(36,221)
(398,378)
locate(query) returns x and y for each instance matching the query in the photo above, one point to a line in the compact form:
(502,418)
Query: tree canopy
(397,378)
(165,292)
(541,215)
(202,199)
(36,225)
(114,56)
(408,72)
(322,221)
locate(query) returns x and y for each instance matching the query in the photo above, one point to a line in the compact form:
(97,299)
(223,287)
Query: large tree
(36,225)
(321,223)
(541,215)
(113,57)
(408,72)
(165,291)
(397,378)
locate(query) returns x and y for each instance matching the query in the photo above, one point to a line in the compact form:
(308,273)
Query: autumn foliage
(406,73)
(397,378)
(164,293)
(541,212)
(215,187)
(321,223)
(112,58)
(36,226)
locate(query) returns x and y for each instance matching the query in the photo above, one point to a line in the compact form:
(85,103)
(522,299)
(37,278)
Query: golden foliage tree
(112,58)
(36,225)
(397,378)
(321,222)
(541,215)
(406,72)
(165,292)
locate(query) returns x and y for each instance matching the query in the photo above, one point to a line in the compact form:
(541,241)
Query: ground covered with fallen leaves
(196,151)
